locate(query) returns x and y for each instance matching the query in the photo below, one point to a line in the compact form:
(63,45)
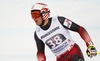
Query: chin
(37,24)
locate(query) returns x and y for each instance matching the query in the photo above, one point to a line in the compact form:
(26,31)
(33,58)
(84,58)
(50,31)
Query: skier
(53,31)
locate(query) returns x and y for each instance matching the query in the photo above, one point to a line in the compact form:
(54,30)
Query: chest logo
(51,31)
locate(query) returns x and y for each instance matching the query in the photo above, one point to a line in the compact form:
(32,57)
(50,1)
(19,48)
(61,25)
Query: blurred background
(17,27)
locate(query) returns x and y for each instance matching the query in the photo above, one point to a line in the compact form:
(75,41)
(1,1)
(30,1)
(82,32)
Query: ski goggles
(35,14)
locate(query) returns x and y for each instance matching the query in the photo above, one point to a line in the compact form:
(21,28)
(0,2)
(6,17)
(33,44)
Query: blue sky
(17,28)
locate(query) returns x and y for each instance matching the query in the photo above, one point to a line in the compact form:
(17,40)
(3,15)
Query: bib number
(55,41)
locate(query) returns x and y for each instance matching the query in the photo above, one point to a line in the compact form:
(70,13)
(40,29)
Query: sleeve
(67,23)
(85,36)
(40,47)
(77,28)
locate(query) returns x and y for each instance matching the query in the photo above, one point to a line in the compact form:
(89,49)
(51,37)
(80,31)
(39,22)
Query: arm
(91,51)
(77,28)
(85,36)
(40,49)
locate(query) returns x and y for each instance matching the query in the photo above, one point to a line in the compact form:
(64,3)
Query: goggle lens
(35,14)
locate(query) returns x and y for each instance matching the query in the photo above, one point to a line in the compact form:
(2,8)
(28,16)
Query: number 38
(55,41)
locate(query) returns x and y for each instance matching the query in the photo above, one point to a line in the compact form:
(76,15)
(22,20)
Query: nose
(33,18)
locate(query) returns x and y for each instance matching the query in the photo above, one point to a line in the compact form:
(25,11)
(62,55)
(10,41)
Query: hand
(91,51)
(41,56)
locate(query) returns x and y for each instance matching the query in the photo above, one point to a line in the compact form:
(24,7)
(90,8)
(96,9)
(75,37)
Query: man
(54,33)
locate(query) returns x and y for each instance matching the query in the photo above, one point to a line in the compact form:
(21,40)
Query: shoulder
(65,21)
(37,29)
(61,19)
(36,33)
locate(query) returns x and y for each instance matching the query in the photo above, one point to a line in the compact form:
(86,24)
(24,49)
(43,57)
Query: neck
(45,22)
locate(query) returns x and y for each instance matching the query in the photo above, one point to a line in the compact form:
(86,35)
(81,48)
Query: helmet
(43,8)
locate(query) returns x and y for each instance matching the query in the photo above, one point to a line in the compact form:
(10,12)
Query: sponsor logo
(43,36)
(60,48)
(67,23)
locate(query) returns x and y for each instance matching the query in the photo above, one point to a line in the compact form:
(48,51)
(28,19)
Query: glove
(91,51)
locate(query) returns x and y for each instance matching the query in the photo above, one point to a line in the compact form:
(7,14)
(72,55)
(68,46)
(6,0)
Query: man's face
(36,17)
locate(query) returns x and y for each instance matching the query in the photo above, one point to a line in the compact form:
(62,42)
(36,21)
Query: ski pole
(98,52)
